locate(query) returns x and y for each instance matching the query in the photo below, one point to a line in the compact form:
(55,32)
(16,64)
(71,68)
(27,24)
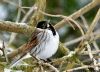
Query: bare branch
(15,27)
(83,67)
(51,66)
(37,16)
(79,13)
(96,19)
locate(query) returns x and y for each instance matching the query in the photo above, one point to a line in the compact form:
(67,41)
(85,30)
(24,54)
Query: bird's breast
(48,45)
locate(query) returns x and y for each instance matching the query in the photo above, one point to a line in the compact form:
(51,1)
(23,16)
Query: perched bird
(43,42)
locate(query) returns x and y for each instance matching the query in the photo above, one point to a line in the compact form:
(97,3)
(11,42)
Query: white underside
(48,45)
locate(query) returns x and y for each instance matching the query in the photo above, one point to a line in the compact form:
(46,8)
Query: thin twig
(13,35)
(93,52)
(91,56)
(84,37)
(19,11)
(79,13)
(12,3)
(5,52)
(28,14)
(51,66)
(83,67)
(60,16)
(68,19)
(96,19)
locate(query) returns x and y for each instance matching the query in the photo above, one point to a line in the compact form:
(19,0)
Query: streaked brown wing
(28,46)
(33,40)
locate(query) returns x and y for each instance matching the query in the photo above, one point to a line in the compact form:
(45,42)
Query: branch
(15,27)
(79,13)
(90,29)
(96,19)
(84,37)
(83,67)
(51,67)
(37,16)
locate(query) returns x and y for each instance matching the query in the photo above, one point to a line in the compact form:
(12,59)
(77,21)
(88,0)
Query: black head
(46,25)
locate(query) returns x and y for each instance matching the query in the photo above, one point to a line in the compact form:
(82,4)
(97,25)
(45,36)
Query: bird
(43,43)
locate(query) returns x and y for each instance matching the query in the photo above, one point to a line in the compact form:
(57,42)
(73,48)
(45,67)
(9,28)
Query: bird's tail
(17,60)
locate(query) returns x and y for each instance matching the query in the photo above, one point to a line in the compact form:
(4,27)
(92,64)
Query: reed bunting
(43,43)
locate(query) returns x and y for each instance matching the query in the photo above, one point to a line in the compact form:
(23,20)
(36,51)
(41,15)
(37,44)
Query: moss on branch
(15,27)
